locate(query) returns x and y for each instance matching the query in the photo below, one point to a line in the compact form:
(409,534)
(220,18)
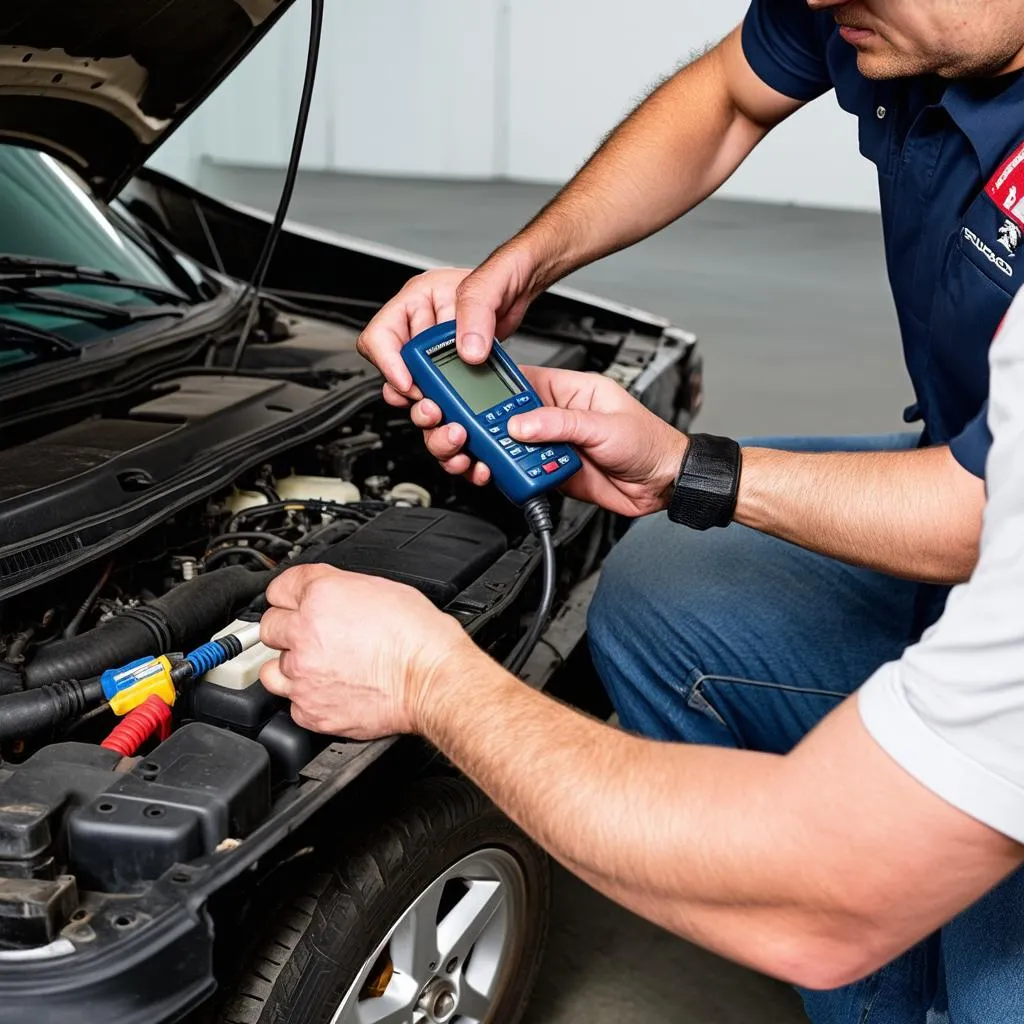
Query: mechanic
(901,809)
(749,637)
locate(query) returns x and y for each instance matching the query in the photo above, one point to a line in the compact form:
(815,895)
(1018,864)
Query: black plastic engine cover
(34,796)
(244,711)
(436,551)
(198,788)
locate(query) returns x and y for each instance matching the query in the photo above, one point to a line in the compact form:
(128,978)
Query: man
(901,809)
(760,638)
(759,633)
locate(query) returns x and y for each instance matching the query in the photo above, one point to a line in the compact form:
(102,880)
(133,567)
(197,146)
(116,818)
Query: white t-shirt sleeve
(951,711)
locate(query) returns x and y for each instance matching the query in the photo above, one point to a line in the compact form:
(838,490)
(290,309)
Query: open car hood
(100,84)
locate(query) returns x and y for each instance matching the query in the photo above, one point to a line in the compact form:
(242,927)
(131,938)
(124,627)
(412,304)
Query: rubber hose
(149,719)
(180,620)
(24,714)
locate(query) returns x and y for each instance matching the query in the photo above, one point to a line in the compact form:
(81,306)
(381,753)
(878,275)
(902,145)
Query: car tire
(349,913)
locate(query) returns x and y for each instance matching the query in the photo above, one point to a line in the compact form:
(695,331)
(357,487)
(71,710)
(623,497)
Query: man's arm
(670,154)
(816,868)
(914,514)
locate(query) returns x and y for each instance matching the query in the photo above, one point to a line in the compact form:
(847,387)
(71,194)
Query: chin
(883,66)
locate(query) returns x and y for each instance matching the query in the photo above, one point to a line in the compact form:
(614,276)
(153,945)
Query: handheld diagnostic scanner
(483,399)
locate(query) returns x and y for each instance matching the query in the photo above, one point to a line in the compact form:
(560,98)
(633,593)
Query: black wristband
(708,484)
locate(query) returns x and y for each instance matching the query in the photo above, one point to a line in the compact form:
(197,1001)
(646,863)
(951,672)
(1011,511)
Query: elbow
(831,970)
(811,960)
(952,567)
(957,563)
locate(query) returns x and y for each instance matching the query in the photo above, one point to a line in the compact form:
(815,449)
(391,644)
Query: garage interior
(798,333)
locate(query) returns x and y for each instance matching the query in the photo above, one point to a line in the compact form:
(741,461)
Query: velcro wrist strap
(708,483)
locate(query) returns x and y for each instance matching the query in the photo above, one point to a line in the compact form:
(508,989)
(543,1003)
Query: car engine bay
(94,582)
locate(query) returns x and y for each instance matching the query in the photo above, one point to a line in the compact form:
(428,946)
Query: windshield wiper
(35,297)
(42,345)
(34,272)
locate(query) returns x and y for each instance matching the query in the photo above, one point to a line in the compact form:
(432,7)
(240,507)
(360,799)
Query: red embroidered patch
(1006,189)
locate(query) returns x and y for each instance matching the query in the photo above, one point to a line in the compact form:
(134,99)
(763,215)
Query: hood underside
(100,84)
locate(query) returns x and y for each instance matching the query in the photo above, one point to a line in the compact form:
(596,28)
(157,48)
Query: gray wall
(496,88)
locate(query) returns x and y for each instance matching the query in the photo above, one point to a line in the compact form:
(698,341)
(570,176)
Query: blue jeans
(736,639)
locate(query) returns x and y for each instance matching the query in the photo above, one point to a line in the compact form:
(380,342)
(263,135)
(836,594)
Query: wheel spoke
(465,923)
(473,1005)
(414,945)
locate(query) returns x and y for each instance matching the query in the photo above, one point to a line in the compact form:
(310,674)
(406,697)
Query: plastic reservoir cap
(240,673)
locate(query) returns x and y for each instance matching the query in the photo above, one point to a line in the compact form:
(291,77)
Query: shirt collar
(990,113)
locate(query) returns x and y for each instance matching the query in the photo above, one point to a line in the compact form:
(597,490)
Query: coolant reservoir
(241,672)
(317,488)
(241,500)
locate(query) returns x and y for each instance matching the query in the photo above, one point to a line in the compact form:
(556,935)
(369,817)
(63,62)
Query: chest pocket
(983,269)
(994,243)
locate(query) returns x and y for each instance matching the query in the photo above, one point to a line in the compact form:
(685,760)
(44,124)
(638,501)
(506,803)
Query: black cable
(73,626)
(538,515)
(329,508)
(316,22)
(240,552)
(266,488)
(256,536)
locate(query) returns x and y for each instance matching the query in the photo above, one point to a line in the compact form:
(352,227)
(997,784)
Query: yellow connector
(156,679)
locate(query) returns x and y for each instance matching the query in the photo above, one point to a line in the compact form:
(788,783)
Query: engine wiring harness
(144,691)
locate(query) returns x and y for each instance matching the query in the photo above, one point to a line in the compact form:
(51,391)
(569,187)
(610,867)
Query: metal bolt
(432,966)
(439,1002)
(452,965)
(881,112)
(444,1006)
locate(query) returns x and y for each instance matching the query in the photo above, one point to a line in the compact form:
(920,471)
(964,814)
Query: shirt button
(881,112)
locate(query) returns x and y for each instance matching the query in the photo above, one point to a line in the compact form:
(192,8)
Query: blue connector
(210,656)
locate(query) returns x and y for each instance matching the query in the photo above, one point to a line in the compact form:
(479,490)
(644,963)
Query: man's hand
(486,303)
(630,456)
(358,654)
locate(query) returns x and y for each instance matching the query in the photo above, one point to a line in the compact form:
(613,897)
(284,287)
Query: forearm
(732,849)
(611,808)
(913,514)
(671,153)
(738,851)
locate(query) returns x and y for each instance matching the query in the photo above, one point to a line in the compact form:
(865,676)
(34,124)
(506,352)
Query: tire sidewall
(357,894)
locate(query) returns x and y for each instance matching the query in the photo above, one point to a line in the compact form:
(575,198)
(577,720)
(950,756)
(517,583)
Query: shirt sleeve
(784,43)
(971,446)
(951,711)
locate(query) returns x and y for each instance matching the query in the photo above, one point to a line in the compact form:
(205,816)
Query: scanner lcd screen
(481,387)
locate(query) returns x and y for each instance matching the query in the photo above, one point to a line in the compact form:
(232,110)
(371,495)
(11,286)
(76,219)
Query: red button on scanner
(550,467)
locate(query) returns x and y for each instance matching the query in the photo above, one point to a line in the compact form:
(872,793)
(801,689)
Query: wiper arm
(44,345)
(35,297)
(33,272)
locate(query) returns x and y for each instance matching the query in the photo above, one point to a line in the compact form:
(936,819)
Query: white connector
(240,673)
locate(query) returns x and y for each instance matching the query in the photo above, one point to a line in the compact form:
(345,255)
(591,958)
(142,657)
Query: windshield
(45,213)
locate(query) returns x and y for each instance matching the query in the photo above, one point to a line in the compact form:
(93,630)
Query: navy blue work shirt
(950,159)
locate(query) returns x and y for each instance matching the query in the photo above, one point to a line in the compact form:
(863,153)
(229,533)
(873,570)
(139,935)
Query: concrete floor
(799,336)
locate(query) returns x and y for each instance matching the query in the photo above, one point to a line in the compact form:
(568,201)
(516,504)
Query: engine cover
(438,552)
